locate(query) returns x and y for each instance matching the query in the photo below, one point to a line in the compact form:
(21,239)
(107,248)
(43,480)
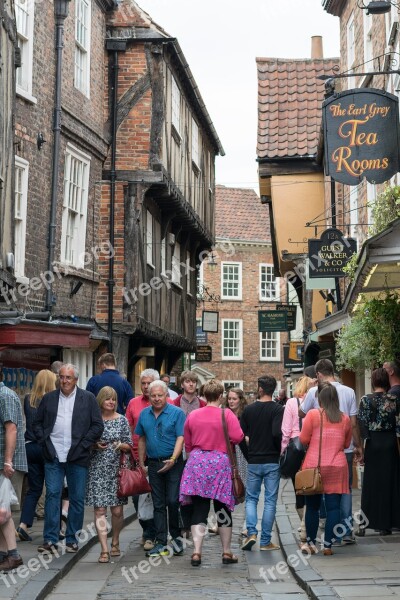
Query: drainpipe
(60,13)
(115,46)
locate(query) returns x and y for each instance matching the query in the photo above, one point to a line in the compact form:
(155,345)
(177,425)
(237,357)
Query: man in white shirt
(348,405)
(68,423)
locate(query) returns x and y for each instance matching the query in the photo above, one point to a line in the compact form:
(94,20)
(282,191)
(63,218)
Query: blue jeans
(165,495)
(35,480)
(269,474)
(76,481)
(346,508)
(332,505)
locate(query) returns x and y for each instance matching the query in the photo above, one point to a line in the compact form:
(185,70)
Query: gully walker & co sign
(361,134)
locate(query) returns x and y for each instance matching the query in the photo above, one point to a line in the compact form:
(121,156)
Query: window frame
(83,85)
(230,383)
(25,91)
(239,282)
(78,245)
(277,294)
(277,340)
(20,250)
(224,357)
(176,277)
(195,144)
(175,106)
(149,239)
(351,49)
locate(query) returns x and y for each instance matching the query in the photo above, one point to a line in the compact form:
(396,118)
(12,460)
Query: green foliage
(372,336)
(351,266)
(385,209)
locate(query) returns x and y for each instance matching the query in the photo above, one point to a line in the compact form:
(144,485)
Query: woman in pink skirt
(336,436)
(207,474)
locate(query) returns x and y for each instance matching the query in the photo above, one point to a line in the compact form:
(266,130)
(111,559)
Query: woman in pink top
(336,436)
(207,473)
(291,427)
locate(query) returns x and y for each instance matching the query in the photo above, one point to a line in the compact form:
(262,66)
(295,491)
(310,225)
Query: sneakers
(71,547)
(348,540)
(148,545)
(10,563)
(337,544)
(158,550)
(177,547)
(48,547)
(270,546)
(249,542)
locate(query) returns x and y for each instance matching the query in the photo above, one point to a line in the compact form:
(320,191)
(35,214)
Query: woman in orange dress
(336,436)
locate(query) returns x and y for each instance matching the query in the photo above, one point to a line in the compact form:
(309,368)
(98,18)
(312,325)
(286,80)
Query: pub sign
(328,255)
(272,320)
(361,136)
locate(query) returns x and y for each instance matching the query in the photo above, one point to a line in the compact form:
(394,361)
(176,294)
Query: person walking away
(135,407)
(45,381)
(336,436)
(348,405)
(102,481)
(282,397)
(379,416)
(261,422)
(68,423)
(14,465)
(160,430)
(207,475)
(392,368)
(291,427)
(110,376)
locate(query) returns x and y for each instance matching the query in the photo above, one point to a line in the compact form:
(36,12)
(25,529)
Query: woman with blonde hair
(102,481)
(45,381)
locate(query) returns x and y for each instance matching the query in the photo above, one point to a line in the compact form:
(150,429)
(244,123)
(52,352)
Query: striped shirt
(11,411)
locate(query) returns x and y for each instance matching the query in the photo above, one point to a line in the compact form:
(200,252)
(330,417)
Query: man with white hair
(160,428)
(67,424)
(135,407)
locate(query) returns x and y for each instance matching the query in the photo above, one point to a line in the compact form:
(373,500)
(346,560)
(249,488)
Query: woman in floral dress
(102,482)
(379,418)
(207,474)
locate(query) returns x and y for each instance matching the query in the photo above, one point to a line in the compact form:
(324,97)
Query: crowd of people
(71,445)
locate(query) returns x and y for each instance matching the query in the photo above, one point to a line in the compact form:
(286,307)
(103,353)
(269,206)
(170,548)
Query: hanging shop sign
(201,336)
(209,321)
(272,320)
(328,255)
(361,136)
(203,353)
(291,311)
(293,355)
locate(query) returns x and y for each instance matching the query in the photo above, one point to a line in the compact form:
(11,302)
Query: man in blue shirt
(110,376)
(160,427)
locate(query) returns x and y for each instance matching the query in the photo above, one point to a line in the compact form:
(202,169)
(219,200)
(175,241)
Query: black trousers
(201,508)
(165,495)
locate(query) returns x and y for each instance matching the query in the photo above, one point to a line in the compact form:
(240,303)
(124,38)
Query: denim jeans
(76,481)
(35,480)
(269,474)
(165,494)
(149,531)
(346,509)
(332,505)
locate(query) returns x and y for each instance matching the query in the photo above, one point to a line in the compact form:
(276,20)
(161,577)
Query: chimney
(317,52)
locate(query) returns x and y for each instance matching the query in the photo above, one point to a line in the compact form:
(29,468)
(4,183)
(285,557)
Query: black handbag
(291,458)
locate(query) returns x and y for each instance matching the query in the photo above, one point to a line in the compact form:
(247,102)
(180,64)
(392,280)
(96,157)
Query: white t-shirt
(347,402)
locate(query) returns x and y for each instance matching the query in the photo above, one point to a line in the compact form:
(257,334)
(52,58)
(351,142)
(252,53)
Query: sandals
(195,561)
(115,551)
(229,559)
(308,549)
(104,557)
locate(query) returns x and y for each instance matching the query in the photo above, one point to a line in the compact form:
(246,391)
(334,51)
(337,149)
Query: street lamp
(376,7)
(61,8)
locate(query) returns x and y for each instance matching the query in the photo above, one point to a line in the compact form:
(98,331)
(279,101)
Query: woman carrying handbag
(325,448)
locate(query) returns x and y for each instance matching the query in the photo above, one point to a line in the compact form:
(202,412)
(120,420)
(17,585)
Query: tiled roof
(240,215)
(289,105)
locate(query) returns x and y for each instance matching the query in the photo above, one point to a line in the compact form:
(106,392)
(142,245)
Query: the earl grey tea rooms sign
(361,136)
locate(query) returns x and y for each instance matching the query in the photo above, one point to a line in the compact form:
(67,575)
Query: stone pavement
(368,569)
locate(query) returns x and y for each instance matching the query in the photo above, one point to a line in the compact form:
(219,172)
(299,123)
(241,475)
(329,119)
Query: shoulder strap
(228,444)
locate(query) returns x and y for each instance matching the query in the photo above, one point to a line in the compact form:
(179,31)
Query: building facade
(238,286)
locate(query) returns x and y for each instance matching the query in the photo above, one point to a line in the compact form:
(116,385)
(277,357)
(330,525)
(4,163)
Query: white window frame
(264,297)
(224,280)
(392,24)
(83,360)
(230,383)
(175,105)
(163,255)
(73,241)
(149,238)
(25,17)
(83,10)
(351,49)
(368,42)
(20,215)
(353,210)
(188,273)
(195,144)
(176,265)
(239,338)
(269,337)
